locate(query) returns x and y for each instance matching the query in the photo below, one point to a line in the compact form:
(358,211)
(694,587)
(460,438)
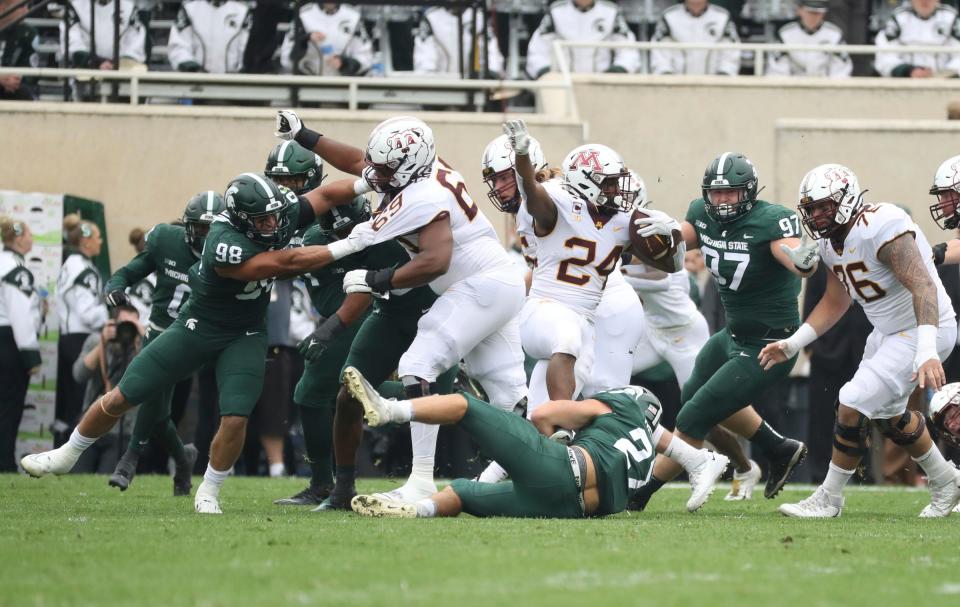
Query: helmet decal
(589,159)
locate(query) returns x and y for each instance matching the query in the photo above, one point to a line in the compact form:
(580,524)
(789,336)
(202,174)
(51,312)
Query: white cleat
(703,478)
(944,499)
(744,484)
(376,409)
(410,493)
(204,503)
(372,505)
(57,461)
(819,505)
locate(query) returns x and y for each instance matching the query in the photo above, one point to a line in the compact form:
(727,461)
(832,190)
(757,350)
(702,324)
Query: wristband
(341,248)
(361,187)
(926,343)
(803,337)
(333,326)
(307,138)
(939,253)
(379,280)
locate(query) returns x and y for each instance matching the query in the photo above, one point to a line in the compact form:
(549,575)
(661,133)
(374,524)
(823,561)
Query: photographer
(100,366)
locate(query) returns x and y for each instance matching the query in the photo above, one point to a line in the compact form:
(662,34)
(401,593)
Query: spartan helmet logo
(588,159)
(191,324)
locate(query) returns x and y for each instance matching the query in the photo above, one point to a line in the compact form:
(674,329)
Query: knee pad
(894,428)
(415,387)
(856,434)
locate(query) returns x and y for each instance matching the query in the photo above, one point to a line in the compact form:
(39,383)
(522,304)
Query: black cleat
(183,473)
(783,461)
(311,496)
(336,501)
(125,471)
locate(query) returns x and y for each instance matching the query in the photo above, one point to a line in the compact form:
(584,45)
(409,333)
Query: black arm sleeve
(307,216)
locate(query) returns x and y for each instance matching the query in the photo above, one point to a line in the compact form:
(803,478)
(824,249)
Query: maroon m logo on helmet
(589,159)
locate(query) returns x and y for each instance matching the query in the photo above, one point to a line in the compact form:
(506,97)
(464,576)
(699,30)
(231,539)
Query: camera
(127,333)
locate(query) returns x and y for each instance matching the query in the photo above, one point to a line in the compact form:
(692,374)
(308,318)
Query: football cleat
(183,472)
(943,498)
(703,478)
(311,496)
(744,484)
(205,503)
(58,461)
(335,502)
(819,505)
(493,473)
(125,471)
(783,462)
(376,409)
(411,492)
(371,505)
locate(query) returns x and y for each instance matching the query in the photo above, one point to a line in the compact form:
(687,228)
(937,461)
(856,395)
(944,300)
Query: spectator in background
(921,22)
(18,48)
(81,311)
(209,36)
(102,362)
(98,53)
(583,20)
(437,42)
(327,39)
(141,293)
(810,29)
(695,21)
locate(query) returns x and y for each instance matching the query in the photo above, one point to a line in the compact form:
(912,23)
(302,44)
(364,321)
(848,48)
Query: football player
(595,475)
(946,187)
(223,321)
(169,253)
(880,259)
(424,205)
(753,249)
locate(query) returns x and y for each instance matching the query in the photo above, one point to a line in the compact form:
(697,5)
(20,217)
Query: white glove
(361,237)
(288,125)
(656,222)
(805,255)
(516,131)
(355,281)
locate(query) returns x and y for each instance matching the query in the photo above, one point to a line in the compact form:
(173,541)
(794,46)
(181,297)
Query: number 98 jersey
(757,291)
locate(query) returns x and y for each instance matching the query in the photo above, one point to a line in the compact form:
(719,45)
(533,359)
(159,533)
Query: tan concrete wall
(895,160)
(145,162)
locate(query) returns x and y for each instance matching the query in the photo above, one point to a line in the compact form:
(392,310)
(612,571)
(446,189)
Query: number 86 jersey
(886,302)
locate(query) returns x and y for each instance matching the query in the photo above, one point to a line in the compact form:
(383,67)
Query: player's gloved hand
(288,125)
(315,344)
(117,297)
(939,253)
(361,237)
(375,282)
(516,131)
(656,222)
(805,256)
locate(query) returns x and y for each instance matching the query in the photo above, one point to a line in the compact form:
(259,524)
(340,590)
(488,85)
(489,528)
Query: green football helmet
(340,220)
(252,200)
(730,171)
(199,213)
(295,167)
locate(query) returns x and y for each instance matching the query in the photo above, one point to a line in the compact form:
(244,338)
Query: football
(652,247)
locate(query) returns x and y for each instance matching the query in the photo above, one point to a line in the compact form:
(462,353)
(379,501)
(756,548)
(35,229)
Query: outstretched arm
(271,264)
(334,194)
(799,255)
(539,204)
(342,156)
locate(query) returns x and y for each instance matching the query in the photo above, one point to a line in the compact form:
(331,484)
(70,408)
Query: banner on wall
(44,214)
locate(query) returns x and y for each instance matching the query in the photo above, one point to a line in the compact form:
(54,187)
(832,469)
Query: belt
(765,335)
(578,464)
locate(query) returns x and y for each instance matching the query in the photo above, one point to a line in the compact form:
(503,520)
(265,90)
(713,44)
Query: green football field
(74,541)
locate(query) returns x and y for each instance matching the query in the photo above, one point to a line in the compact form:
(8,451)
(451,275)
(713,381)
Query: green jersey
(326,284)
(621,445)
(225,302)
(757,291)
(169,256)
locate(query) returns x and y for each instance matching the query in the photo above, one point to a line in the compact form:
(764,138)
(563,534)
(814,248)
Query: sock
(277,470)
(657,434)
(939,470)
(494,473)
(643,495)
(836,479)
(742,475)
(401,411)
(684,454)
(346,476)
(78,443)
(423,439)
(766,438)
(317,423)
(426,508)
(170,440)
(213,480)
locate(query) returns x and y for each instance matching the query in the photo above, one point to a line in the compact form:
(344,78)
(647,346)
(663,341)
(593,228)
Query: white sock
(401,411)
(423,439)
(213,480)
(426,508)
(79,443)
(939,470)
(494,473)
(684,453)
(836,479)
(277,470)
(657,434)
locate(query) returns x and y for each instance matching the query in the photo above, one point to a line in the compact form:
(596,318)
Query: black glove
(939,252)
(317,342)
(117,297)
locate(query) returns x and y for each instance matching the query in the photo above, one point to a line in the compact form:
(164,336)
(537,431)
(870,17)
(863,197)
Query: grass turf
(73,541)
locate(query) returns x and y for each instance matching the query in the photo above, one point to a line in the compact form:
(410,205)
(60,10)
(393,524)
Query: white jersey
(212,35)
(886,302)
(528,239)
(810,63)
(80,307)
(907,28)
(666,302)
(677,24)
(438,39)
(19,303)
(575,258)
(133,34)
(476,247)
(344,36)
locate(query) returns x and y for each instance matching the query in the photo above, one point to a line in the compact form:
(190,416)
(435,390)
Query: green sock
(766,438)
(170,440)
(346,479)
(317,425)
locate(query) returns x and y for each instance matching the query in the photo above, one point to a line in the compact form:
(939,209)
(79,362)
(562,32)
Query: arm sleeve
(287,48)
(81,374)
(86,304)
(133,41)
(778,63)
(627,58)
(359,49)
(664,61)
(180,44)
(890,64)
(425,53)
(79,38)
(728,62)
(17,304)
(305,214)
(538,51)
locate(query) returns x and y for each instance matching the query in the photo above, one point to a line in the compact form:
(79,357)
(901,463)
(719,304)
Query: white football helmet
(498,159)
(946,187)
(945,412)
(586,168)
(636,189)
(829,197)
(400,151)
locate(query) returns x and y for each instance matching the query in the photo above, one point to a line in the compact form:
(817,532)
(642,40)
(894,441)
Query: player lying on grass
(617,437)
